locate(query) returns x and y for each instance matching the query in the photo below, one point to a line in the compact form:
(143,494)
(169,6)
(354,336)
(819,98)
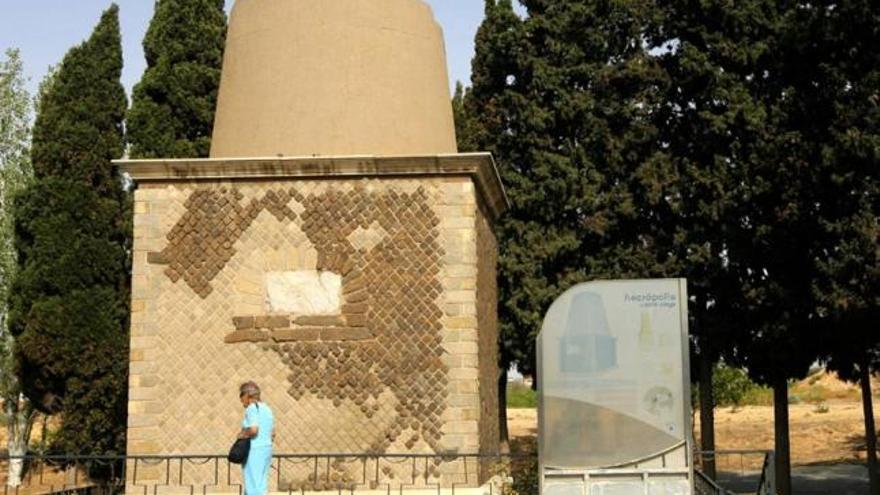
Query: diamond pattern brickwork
(387,336)
(394,370)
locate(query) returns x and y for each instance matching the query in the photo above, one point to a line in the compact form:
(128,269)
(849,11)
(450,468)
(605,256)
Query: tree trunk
(43,439)
(503,434)
(707,413)
(870,430)
(783,445)
(20,417)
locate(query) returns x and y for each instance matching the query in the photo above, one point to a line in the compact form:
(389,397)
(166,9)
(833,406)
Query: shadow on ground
(836,479)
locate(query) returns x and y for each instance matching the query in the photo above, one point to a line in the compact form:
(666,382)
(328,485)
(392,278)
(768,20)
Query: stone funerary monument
(335,248)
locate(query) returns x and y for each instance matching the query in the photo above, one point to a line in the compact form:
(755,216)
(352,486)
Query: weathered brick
(345,334)
(243,322)
(246,336)
(296,334)
(356,320)
(157,258)
(271,321)
(320,321)
(350,309)
(356,297)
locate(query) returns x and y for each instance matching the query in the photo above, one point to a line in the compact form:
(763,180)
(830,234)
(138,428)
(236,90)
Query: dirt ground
(824,432)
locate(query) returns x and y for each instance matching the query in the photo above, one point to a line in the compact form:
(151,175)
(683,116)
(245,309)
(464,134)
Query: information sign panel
(613,377)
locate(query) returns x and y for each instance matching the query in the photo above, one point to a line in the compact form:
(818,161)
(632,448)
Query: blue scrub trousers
(256,470)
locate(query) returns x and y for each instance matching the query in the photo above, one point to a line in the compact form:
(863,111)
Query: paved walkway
(836,479)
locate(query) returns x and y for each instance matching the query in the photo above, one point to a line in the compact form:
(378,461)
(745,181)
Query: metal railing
(290,473)
(738,471)
(704,485)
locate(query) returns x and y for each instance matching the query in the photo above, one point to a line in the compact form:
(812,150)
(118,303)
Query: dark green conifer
(172,112)
(563,98)
(711,119)
(837,95)
(69,303)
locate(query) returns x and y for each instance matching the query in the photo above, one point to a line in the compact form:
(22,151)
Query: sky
(45,29)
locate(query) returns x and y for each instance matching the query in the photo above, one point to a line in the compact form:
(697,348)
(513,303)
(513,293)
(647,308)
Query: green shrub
(524,469)
(520,396)
(732,387)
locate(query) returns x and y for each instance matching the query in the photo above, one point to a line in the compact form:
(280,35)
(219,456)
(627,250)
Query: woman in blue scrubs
(258,425)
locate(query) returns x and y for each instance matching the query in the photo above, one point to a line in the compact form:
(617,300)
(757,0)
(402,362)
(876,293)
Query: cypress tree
(482,113)
(713,111)
(774,246)
(563,99)
(464,133)
(840,91)
(69,303)
(566,106)
(172,112)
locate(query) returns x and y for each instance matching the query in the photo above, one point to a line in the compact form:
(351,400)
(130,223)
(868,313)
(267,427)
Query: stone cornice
(480,166)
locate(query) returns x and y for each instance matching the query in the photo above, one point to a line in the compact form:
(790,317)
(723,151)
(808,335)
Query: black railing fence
(293,473)
(737,471)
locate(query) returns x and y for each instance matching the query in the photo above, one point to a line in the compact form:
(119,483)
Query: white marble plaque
(307,292)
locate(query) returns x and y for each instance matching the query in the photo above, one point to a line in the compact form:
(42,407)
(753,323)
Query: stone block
(463,283)
(356,297)
(272,321)
(320,321)
(468,387)
(456,223)
(142,343)
(139,367)
(296,334)
(461,322)
(157,258)
(144,447)
(356,320)
(460,296)
(470,413)
(136,420)
(464,374)
(243,322)
(460,427)
(464,400)
(461,348)
(345,334)
(246,336)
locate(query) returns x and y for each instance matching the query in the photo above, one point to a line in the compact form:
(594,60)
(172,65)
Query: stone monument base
(359,292)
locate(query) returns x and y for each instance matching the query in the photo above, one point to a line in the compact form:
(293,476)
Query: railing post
(771,473)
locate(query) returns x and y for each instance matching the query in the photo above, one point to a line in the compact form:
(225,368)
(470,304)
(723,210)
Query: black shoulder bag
(239,451)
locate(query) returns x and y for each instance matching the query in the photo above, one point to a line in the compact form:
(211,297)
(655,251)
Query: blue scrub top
(260,415)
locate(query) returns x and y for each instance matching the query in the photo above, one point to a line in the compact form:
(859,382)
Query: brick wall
(487,322)
(397,361)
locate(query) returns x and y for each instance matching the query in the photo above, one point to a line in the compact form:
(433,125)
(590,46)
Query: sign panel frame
(586,334)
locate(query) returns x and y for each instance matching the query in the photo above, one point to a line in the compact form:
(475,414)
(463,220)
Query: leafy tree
(172,112)
(69,300)
(15,173)
(732,385)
